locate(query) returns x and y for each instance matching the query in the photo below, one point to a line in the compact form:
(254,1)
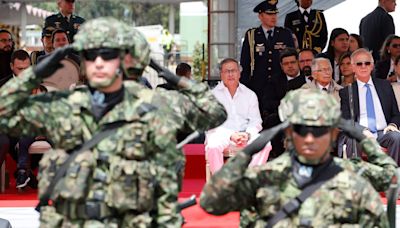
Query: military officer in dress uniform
(65,19)
(261,49)
(308,25)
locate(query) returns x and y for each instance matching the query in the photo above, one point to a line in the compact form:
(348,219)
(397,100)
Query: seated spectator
(338,44)
(306,57)
(244,120)
(6,49)
(321,72)
(19,62)
(396,84)
(374,105)
(346,71)
(46,43)
(182,70)
(69,75)
(19,148)
(355,42)
(384,68)
(290,79)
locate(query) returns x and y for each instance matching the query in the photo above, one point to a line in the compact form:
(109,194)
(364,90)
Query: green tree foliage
(200,62)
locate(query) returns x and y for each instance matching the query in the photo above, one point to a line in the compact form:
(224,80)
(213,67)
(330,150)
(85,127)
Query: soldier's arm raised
(19,111)
(194,104)
(380,167)
(234,187)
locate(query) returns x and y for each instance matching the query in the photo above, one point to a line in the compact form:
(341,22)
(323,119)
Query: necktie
(269,32)
(305,15)
(310,78)
(370,110)
(325,89)
(66,19)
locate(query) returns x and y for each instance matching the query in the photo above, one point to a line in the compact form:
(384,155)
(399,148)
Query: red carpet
(192,184)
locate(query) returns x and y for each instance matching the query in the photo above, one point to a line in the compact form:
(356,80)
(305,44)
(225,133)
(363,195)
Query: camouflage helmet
(104,32)
(310,107)
(139,49)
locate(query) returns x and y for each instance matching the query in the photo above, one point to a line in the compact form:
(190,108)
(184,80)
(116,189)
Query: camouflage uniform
(345,199)
(127,176)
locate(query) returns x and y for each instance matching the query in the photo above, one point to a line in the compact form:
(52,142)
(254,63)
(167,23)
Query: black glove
(165,73)
(265,136)
(353,130)
(51,63)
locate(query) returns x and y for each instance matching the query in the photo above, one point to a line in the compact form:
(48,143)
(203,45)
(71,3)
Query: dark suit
(59,22)
(382,69)
(390,109)
(5,59)
(275,91)
(315,27)
(5,79)
(266,58)
(374,28)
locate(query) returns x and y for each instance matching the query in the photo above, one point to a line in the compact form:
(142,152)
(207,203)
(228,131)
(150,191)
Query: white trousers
(216,144)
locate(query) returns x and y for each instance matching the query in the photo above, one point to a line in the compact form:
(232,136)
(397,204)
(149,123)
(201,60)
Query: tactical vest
(117,176)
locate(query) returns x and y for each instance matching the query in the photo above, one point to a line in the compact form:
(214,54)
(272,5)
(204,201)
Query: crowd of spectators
(291,57)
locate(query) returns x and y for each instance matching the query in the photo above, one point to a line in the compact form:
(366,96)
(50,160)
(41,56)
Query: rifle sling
(108,130)
(294,204)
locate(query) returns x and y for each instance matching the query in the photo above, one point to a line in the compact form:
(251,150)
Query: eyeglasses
(303,130)
(395,45)
(233,71)
(289,63)
(363,63)
(327,70)
(6,40)
(104,53)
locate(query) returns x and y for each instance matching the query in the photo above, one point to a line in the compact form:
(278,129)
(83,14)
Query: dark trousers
(390,141)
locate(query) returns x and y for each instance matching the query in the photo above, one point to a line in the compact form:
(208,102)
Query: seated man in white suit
(243,122)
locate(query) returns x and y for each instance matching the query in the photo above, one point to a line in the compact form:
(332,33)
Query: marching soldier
(261,48)
(114,140)
(305,186)
(65,19)
(308,25)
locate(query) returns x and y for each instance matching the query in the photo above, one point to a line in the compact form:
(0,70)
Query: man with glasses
(6,49)
(374,104)
(124,179)
(244,120)
(377,25)
(306,57)
(65,19)
(305,186)
(322,73)
(290,79)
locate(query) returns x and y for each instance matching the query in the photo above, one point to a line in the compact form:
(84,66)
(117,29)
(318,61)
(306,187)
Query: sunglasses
(363,63)
(104,53)
(395,45)
(303,130)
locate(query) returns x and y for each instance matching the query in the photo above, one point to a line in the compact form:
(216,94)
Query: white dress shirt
(302,12)
(242,108)
(379,115)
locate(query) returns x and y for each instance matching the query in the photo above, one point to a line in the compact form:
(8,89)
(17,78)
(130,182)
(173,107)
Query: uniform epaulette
(254,28)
